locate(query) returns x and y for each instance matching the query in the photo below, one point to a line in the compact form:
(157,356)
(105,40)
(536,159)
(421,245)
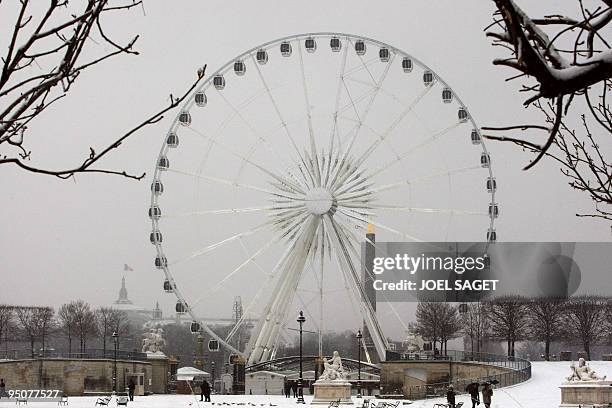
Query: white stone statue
(153,341)
(333,369)
(582,372)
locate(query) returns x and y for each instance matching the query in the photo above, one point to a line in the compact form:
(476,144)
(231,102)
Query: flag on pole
(127,267)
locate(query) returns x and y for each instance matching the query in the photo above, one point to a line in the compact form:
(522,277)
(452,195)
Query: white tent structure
(190,373)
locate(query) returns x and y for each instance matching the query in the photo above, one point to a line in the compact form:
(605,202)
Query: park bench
(457,405)
(385,404)
(63,400)
(21,400)
(122,400)
(334,404)
(103,401)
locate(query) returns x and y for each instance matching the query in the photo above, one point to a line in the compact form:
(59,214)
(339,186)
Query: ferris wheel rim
(226,67)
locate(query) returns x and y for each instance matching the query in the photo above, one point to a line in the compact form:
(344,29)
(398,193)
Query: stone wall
(397,377)
(76,377)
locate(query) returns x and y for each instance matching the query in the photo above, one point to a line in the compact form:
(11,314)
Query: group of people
(473,389)
(290,386)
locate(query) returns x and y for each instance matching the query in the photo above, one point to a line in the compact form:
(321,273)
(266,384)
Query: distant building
(137,315)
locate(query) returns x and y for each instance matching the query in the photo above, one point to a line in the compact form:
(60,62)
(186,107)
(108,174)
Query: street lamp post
(359,337)
(300,400)
(212,365)
(115,336)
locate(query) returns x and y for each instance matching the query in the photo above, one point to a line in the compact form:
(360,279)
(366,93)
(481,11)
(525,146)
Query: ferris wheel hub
(320,201)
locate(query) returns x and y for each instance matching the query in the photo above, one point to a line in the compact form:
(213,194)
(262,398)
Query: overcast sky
(62,240)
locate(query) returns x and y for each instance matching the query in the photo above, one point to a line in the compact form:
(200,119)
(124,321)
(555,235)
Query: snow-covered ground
(541,391)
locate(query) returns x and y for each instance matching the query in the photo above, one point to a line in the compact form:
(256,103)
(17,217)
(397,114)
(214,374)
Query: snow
(541,391)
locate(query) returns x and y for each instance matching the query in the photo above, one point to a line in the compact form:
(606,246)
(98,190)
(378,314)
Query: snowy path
(541,391)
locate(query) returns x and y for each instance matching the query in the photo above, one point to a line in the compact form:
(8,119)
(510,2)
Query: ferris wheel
(275,168)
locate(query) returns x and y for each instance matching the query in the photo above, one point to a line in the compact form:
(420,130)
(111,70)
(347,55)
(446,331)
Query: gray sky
(62,240)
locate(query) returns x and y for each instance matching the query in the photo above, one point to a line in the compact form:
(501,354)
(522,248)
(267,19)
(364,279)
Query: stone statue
(333,369)
(583,372)
(153,341)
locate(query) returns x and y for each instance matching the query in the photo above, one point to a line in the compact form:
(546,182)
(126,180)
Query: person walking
(487,393)
(472,389)
(3,388)
(287,389)
(450,396)
(294,388)
(131,388)
(205,391)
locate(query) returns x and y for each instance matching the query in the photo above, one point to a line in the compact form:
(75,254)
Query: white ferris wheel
(273,170)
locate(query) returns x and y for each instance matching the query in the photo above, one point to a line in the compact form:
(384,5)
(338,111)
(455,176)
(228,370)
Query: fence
(88,354)
(519,370)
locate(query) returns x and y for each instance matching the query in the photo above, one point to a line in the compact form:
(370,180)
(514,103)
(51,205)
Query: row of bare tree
(584,320)
(76,321)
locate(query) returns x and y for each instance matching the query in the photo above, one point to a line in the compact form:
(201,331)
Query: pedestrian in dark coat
(294,388)
(205,391)
(472,389)
(487,393)
(131,388)
(450,396)
(287,387)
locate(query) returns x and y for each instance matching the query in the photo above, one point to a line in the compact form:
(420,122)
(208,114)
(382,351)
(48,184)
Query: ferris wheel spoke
(335,114)
(361,65)
(254,131)
(381,138)
(425,143)
(313,148)
(218,244)
(355,215)
(383,207)
(283,180)
(278,112)
(221,211)
(231,183)
(236,270)
(362,118)
(442,173)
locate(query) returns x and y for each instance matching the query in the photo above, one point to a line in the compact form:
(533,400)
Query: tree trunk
(547,349)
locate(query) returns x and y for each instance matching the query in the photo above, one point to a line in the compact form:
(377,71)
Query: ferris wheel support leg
(277,309)
(352,275)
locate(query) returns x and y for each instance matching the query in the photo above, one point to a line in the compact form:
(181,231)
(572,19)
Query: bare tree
(111,321)
(437,322)
(570,59)
(47,50)
(508,319)
(475,325)
(84,323)
(585,320)
(545,321)
(103,321)
(450,324)
(28,325)
(119,323)
(67,321)
(46,324)
(7,314)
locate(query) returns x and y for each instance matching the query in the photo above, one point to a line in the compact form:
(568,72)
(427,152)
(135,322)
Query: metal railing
(519,370)
(88,354)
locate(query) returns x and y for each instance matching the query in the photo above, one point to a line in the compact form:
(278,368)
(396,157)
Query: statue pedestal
(329,391)
(581,393)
